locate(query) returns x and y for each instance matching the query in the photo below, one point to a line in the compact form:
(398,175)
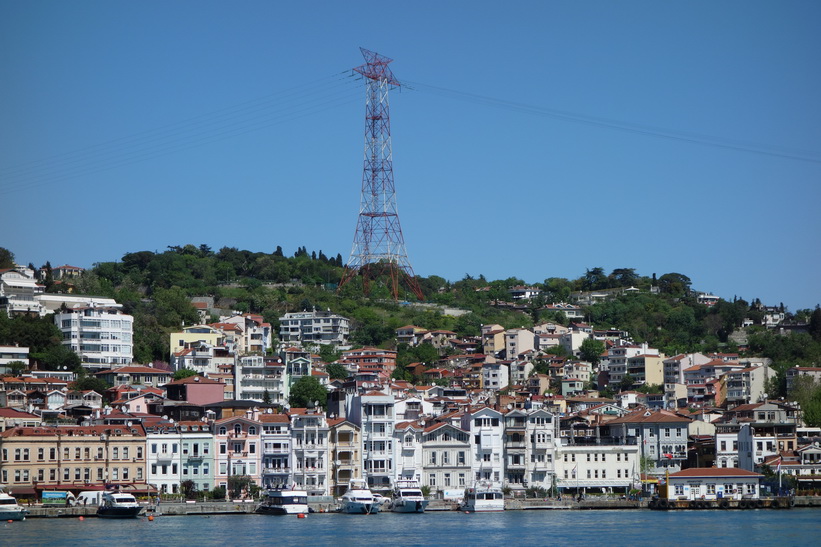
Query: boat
(118,505)
(284,502)
(482,498)
(407,497)
(358,499)
(10,509)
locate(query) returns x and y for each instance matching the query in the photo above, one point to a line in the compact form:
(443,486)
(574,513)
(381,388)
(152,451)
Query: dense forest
(156,289)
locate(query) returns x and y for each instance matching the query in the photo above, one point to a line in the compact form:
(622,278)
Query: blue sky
(531,139)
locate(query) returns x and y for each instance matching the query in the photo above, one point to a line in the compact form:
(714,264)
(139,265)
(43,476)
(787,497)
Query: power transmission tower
(378,244)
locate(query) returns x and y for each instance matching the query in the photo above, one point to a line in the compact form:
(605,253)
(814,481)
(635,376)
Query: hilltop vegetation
(156,289)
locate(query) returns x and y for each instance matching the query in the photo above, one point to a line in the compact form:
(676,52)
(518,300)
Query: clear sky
(531,139)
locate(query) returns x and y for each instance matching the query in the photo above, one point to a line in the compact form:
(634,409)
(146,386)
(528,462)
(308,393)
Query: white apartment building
(310,449)
(593,467)
(408,442)
(18,293)
(486,429)
(101,336)
(374,412)
(164,458)
(446,460)
(256,375)
(314,328)
(495,376)
(276,451)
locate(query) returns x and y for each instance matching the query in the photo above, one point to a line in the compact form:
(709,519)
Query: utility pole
(379,246)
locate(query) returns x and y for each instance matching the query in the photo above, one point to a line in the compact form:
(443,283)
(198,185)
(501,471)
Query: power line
(253,115)
(650,131)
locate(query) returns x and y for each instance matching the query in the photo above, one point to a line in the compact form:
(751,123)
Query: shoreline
(192,508)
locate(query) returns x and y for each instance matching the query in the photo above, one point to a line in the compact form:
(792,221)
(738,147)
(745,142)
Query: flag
(778,467)
(575,467)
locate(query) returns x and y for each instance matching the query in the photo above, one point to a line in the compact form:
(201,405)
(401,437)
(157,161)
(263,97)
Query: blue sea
(558,527)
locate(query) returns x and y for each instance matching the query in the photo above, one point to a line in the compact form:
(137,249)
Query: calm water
(612,528)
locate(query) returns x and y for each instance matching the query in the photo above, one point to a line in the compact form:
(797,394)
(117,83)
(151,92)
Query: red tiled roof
(714,472)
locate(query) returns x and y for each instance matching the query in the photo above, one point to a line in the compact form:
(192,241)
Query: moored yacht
(118,505)
(284,502)
(407,497)
(358,499)
(10,509)
(483,497)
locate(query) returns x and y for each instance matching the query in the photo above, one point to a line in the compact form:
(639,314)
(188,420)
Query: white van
(90,498)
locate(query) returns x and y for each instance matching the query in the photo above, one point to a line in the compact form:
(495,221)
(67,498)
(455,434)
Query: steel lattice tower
(378,244)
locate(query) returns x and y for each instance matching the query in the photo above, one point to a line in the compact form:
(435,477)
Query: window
(252,430)
(433,458)
(222,430)
(115,453)
(461,459)
(432,480)
(41,454)
(679,490)
(139,452)
(447,479)
(711,489)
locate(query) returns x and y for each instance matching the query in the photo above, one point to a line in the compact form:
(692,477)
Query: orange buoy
(150,517)
(82,518)
(300,515)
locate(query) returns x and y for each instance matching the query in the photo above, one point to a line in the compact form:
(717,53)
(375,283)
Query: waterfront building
(611,466)
(164,456)
(660,435)
(374,412)
(345,447)
(486,430)
(447,467)
(276,450)
(101,335)
(408,438)
(64,457)
(237,440)
(711,483)
(309,450)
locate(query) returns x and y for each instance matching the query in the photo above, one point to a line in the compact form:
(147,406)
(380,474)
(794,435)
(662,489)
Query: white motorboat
(10,509)
(284,502)
(118,505)
(358,499)
(407,497)
(483,497)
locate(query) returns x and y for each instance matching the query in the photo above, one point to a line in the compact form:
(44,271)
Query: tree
(306,391)
(815,324)
(336,371)
(591,350)
(16,367)
(89,383)
(185,373)
(674,284)
(58,357)
(188,489)
(6,259)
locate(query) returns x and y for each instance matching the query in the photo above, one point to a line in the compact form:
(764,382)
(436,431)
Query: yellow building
(345,441)
(72,457)
(193,335)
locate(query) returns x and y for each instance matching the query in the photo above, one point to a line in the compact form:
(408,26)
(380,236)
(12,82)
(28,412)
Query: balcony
(164,457)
